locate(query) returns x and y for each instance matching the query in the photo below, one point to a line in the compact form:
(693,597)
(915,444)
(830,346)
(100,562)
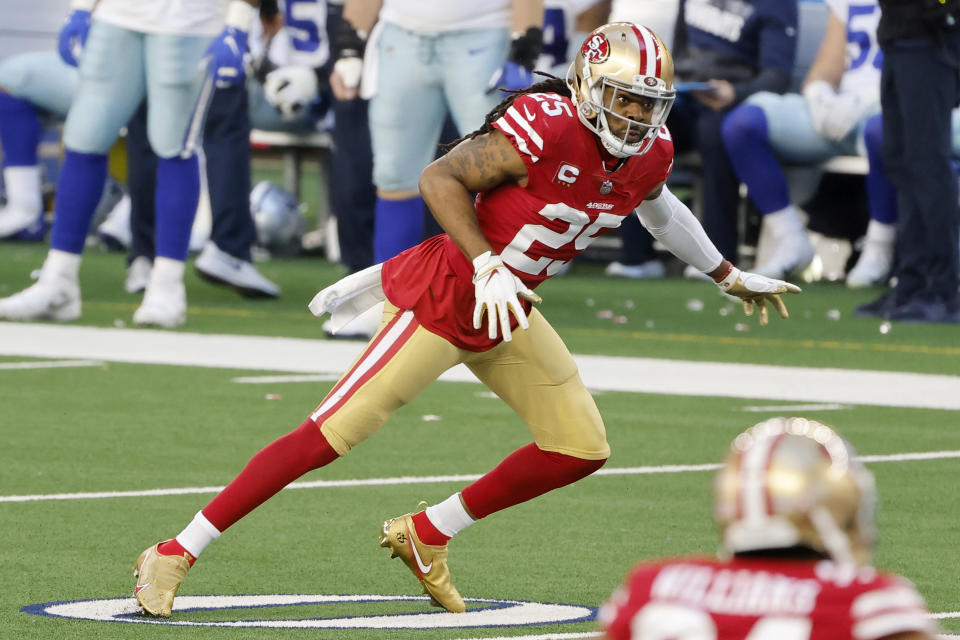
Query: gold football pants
(534,374)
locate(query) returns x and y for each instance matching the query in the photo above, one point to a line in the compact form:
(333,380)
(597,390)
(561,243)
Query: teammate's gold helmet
(628,58)
(791,482)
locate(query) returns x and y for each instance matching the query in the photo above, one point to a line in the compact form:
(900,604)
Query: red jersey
(762,599)
(571,198)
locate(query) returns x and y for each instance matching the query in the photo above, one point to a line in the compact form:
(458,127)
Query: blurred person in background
(131,52)
(877,259)
(424,59)
(726,51)
(840,93)
(32,86)
(919,88)
(290,54)
(796,514)
(296,96)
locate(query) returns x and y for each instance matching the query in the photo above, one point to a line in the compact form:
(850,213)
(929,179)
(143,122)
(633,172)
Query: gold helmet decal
(791,482)
(616,59)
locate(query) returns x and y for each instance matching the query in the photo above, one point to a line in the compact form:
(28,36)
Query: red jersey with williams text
(762,599)
(575,192)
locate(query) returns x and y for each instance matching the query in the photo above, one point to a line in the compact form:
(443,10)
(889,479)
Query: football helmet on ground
(618,58)
(278,217)
(793,482)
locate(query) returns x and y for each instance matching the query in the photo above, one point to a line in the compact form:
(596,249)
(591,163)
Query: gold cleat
(427,562)
(158,578)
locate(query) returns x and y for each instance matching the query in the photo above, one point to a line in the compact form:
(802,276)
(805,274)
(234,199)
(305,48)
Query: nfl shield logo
(606,187)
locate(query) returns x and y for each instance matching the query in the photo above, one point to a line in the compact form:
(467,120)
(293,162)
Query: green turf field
(133,428)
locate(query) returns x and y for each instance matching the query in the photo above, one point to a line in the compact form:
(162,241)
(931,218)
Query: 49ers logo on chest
(596,48)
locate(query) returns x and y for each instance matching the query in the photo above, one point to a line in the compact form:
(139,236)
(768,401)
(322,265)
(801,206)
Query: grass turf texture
(124,427)
(658,320)
(136,427)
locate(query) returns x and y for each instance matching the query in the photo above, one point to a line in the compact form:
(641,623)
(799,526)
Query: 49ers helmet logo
(596,48)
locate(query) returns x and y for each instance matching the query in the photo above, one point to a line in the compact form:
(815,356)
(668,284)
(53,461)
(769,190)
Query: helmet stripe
(649,51)
(754,499)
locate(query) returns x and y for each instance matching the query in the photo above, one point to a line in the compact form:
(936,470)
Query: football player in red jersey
(555,166)
(795,508)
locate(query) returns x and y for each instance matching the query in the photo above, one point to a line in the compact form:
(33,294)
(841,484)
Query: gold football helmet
(622,57)
(791,482)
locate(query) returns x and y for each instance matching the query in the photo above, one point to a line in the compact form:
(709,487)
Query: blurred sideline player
(729,50)
(795,509)
(840,93)
(295,97)
(555,166)
(42,84)
(25,95)
(423,60)
(131,51)
(290,52)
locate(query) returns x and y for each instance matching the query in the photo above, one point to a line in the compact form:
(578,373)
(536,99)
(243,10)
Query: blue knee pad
(746,137)
(20,131)
(398,225)
(175,202)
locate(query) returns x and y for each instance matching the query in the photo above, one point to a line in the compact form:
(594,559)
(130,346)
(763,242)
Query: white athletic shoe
(50,298)
(164,305)
(219,267)
(13,220)
(138,275)
(873,266)
(114,231)
(648,269)
(786,254)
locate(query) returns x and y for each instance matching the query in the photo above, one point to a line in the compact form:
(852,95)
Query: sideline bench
(293,148)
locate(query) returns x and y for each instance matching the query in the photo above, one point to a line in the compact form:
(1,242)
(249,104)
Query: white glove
(496,289)
(821,98)
(349,69)
(349,297)
(754,289)
(848,109)
(291,89)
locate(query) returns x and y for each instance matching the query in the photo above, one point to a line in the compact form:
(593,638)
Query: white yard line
(403,480)
(55,364)
(640,375)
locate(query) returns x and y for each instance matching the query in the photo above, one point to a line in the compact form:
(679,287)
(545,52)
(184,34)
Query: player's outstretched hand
(497,291)
(753,289)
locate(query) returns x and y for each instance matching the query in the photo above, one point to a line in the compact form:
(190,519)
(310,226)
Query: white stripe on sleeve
(521,143)
(891,623)
(525,125)
(880,600)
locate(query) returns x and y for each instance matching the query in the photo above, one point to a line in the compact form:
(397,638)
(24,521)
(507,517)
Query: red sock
(428,533)
(174,548)
(274,467)
(526,473)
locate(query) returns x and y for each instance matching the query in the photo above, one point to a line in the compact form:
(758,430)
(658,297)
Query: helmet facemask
(638,136)
(619,64)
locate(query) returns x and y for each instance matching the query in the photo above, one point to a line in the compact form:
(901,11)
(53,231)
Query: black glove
(526,48)
(347,41)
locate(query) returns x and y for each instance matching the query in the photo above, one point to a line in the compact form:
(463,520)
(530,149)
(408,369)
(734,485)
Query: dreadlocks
(552,84)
